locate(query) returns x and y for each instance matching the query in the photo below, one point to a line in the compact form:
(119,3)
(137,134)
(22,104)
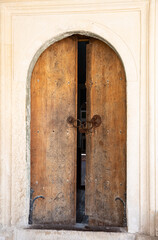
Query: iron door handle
(86,126)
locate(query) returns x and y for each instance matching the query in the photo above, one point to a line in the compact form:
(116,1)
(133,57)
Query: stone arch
(103,34)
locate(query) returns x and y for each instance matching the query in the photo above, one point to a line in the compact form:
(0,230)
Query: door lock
(86,126)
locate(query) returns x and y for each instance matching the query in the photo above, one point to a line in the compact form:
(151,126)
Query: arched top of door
(105,35)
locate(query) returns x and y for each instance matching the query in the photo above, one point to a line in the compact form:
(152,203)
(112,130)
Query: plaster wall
(27,28)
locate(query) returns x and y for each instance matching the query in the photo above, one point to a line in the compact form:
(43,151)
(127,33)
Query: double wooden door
(54,86)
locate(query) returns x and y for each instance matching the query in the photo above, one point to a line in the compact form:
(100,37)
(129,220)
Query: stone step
(36,234)
(41,234)
(33,234)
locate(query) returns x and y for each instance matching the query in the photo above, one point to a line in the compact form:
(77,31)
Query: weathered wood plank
(106,147)
(53,152)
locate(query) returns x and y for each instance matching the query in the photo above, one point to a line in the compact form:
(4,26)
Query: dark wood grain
(53,152)
(106,146)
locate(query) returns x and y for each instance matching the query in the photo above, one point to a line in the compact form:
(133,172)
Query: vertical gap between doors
(81,137)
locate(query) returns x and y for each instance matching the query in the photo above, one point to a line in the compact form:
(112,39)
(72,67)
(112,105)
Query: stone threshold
(77,227)
(41,234)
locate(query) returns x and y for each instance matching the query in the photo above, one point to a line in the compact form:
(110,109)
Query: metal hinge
(32,203)
(124,212)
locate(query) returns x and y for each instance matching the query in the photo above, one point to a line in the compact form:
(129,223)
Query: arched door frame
(116,43)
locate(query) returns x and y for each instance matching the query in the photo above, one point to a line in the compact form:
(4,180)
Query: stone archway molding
(116,42)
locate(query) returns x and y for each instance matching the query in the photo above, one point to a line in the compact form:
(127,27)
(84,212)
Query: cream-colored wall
(155,112)
(27,28)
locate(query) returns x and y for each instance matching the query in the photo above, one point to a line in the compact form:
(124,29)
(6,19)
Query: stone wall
(29,27)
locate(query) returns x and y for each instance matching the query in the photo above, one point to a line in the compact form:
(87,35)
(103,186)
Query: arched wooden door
(54,141)
(53,152)
(106,146)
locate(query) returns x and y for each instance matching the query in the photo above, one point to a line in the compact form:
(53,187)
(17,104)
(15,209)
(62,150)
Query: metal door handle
(85,127)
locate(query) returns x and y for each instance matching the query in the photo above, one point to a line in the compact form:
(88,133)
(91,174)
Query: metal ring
(88,128)
(77,120)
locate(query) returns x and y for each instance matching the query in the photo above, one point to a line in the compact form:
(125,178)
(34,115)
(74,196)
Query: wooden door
(106,146)
(53,152)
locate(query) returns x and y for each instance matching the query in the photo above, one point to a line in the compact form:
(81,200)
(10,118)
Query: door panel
(106,146)
(53,152)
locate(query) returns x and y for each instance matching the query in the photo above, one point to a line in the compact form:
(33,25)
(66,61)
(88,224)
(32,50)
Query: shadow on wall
(157,224)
